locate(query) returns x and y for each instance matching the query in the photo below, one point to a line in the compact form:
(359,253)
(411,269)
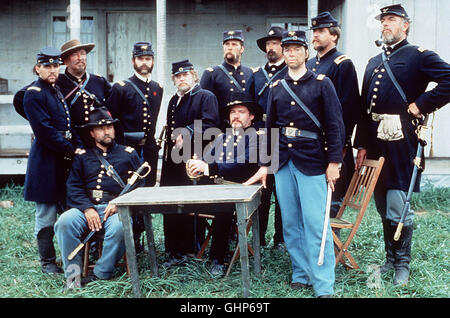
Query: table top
(191,194)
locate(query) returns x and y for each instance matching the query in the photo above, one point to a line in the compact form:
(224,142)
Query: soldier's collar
(108,149)
(142,78)
(305,76)
(329,53)
(231,67)
(73,78)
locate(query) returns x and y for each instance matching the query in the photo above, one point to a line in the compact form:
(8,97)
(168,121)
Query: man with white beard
(393,99)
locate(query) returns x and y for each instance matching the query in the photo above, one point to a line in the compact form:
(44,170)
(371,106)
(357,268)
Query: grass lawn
(21,277)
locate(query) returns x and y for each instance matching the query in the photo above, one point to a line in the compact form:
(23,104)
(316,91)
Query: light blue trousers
(72,225)
(302,201)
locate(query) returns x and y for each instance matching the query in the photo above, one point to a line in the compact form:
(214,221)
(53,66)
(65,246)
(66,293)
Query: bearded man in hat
(232,156)
(231,75)
(82,91)
(393,99)
(304,107)
(339,68)
(191,111)
(89,190)
(50,156)
(258,86)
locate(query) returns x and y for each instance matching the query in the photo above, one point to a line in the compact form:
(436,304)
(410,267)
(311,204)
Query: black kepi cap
(294,37)
(395,9)
(142,48)
(49,55)
(324,20)
(181,66)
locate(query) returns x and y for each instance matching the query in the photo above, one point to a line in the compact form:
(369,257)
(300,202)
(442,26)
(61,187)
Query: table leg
(151,243)
(241,211)
(256,243)
(125,217)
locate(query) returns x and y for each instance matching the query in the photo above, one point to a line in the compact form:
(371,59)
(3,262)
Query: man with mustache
(136,102)
(340,70)
(304,108)
(393,95)
(89,189)
(234,157)
(231,75)
(190,112)
(82,91)
(54,145)
(258,86)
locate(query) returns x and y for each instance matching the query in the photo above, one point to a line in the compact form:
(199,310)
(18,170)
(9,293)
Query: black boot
(47,251)
(388,240)
(402,255)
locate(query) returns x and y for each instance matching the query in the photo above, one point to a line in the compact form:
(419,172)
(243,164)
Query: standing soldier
(258,87)
(50,154)
(82,91)
(190,103)
(136,102)
(304,107)
(340,70)
(231,75)
(393,95)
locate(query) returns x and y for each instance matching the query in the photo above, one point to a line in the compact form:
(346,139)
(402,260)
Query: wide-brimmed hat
(99,117)
(275,32)
(74,45)
(244,99)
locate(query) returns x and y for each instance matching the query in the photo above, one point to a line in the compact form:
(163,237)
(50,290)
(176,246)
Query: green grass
(20,275)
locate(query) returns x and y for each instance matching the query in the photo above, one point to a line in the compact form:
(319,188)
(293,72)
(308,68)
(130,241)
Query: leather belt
(99,196)
(66,134)
(295,132)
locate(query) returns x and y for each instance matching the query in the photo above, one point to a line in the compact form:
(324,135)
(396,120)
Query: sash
(231,78)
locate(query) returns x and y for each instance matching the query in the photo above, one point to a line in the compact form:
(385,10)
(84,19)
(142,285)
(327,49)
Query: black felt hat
(99,117)
(275,32)
(244,99)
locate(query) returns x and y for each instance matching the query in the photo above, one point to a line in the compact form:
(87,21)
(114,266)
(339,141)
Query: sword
(135,175)
(325,226)
(421,134)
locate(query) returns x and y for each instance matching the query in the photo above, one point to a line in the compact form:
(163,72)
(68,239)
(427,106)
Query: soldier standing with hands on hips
(304,107)
(393,100)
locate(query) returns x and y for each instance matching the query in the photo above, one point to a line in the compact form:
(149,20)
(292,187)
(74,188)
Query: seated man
(233,156)
(90,187)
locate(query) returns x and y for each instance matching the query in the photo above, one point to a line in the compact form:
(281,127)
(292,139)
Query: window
(61,34)
(291,26)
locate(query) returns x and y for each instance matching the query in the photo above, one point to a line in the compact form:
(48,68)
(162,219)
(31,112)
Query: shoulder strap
(392,77)
(110,171)
(300,103)
(138,91)
(231,78)
(269,80)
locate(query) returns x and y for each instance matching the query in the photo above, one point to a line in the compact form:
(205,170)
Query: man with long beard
(136,102)
(231,76)
(393,98)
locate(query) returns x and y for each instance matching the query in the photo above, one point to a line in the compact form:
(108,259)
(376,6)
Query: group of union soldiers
(90,134)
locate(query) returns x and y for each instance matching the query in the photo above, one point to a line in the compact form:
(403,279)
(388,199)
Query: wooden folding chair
(357,197)
(206,218)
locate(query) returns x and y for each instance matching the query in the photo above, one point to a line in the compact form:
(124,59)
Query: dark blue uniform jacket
(94,94)
(414,68)
(317,93)
(88,173)
(47,167)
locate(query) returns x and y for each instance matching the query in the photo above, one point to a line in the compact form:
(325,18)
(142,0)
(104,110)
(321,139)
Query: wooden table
(187,199)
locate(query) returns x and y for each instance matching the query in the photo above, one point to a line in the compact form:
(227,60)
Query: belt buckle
(68,135)
(97,194)
(290,131)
